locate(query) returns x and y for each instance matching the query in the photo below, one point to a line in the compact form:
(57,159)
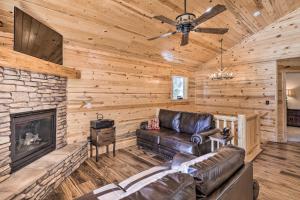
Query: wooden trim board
(16,60)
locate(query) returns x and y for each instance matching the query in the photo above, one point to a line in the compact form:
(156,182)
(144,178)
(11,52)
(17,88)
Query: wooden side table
(220,140)
(102,137)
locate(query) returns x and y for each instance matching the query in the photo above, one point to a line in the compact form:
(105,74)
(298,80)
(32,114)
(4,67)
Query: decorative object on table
(99,116)
(221,74)
(219,139)
(226,132)
(153,124)
(102,123)
(102,133)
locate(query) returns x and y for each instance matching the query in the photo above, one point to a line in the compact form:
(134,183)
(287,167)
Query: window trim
(185,88)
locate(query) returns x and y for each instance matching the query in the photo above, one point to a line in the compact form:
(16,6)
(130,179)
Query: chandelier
(221,74)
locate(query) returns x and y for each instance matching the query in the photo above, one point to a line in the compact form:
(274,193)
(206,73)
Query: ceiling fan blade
(184,39)
(211,30)
(165,20)
(209,14)
(164,35)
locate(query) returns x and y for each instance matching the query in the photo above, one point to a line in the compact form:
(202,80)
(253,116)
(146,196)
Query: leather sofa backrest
(169,119)
(196,122)
(172,186)
(211,173)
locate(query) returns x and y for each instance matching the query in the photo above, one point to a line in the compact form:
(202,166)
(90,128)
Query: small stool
(220,140)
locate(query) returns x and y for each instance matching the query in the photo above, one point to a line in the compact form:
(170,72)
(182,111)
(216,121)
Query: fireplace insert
(33,135)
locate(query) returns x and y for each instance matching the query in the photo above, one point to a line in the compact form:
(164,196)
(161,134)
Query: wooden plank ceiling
(123,26)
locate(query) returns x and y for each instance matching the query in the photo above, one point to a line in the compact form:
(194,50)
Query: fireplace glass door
(33,135)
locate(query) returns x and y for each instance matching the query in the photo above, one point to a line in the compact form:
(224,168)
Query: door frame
(283,97)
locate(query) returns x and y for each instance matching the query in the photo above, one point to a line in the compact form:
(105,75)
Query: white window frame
(185,88)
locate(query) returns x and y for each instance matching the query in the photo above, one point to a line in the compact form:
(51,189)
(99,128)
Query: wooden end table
(220,140)
(102,137)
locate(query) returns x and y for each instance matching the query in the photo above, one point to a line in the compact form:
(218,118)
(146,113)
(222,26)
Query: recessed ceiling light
(257,13)
(167,55)
(208,9)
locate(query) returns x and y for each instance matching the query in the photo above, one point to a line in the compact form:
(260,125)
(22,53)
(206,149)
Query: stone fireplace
(32,117)
(32,136)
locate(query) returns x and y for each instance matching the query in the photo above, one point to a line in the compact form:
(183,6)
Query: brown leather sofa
(215,176)
(179,132)
(223,176)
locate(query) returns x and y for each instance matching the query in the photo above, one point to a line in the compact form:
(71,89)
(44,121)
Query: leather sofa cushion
(196,122)
(211,173)
(152,136)
(167,138)
(179,142)
(173,186)
(169,119)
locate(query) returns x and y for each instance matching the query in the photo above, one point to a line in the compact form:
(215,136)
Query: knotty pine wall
(254,62)
(124,88)
(128,90)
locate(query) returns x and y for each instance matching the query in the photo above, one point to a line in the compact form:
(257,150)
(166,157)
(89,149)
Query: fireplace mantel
(16,60)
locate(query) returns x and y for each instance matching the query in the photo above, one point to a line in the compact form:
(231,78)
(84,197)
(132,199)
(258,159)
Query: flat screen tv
(36,39)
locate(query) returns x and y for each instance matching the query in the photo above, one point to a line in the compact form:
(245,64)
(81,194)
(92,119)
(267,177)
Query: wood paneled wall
(128,90)
(254,63)
(126,77)
(123,87)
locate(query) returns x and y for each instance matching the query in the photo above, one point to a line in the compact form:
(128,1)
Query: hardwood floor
(277,170)
(91,175)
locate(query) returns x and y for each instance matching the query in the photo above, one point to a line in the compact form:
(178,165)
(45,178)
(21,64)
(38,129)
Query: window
(179,87)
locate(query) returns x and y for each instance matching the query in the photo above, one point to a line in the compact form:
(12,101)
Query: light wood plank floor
(277,169)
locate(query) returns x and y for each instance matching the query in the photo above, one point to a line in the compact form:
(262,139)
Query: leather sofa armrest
(199,138)
(144,125)
(180,158)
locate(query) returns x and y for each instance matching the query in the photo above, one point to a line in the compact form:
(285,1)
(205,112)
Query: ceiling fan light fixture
(187,22)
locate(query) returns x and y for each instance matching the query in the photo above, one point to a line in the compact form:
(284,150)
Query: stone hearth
(38,179)
(23,91)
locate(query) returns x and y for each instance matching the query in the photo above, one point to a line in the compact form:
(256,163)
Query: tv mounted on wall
(36,39)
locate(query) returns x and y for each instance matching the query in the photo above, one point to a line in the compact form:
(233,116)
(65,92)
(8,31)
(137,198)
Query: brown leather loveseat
(179,132)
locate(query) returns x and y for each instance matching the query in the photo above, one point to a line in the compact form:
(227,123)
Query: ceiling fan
(187,22)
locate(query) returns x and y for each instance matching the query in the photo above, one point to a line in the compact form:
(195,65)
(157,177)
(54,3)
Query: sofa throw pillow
(153,124)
